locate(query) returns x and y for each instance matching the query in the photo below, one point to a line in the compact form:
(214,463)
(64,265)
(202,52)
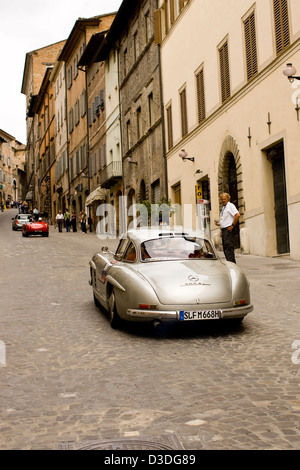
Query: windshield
(169,248)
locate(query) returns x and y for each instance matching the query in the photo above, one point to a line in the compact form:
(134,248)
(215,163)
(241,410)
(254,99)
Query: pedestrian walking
(73,221)
(59,219)
(35,214)
(228,219)
(67,217)
(83,221)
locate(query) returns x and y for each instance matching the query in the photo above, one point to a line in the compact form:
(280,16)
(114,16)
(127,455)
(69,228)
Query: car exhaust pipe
(157,324)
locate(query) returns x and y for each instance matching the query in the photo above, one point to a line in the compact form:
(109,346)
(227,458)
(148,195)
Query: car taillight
(148,307)
(238,303)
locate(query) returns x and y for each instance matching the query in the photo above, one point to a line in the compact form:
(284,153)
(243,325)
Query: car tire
(113,316)
(96,302)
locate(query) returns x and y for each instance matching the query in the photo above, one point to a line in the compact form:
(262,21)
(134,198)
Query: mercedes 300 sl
(162,275)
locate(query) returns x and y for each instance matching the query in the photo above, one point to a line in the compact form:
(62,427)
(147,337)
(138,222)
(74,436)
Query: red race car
(35,228)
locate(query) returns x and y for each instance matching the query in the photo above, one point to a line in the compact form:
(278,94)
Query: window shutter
(224,70)
(250,44)
(172,12)
(282,28)
(184,127)
(200,95)
(157,26)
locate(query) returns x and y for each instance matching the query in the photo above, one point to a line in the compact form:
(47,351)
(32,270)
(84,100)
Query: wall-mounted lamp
(130,161)
(183,154)
(198,172)
(290,72)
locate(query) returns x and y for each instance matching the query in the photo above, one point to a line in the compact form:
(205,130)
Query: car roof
(143,234)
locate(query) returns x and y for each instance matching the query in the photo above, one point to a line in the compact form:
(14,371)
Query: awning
(97,195)
(28,196)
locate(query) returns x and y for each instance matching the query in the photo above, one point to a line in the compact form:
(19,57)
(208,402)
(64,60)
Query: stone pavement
(67,377)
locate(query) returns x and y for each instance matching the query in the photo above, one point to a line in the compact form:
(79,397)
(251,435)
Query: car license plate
(199,315)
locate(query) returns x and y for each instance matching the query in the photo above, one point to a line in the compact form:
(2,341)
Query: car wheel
(114,318)
(96,301)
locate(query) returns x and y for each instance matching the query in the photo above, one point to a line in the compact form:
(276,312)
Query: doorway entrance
(276,157)
(233,192)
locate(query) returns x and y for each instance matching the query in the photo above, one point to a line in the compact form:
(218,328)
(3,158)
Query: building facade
(79,171)
(36,63)
(140,95)
(12,170)
(229,107)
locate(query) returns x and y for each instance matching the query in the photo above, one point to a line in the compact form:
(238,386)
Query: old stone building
(44,109)
(132,36)
(36,63)
(12,170)
(77,110)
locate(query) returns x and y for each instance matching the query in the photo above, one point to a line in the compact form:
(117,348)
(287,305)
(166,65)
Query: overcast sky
(26,26)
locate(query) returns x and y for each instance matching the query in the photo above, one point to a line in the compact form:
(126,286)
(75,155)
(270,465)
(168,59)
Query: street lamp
(184,155)
(289,71)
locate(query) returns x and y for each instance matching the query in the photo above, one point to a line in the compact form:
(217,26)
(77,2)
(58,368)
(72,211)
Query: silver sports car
(159,275)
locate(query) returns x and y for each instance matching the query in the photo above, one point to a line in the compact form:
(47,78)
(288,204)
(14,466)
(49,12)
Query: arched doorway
(233,191)
(142,195)
(230,179)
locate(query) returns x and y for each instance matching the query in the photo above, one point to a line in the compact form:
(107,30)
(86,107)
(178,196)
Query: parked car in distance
(162,275)
(39,227)
(19,220)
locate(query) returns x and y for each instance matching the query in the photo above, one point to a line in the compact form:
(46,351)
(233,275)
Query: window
(95,163)
(183,110)
(125,62)
(224,71)
(71,120)
(139,123)
(282,29)
(170,127)
(147,26)
(82,104)
(69,77)
(130,254)
(200,95)
(250,45)
(100,159)
(76,112)
(128,134)
(151,109)
(135,46)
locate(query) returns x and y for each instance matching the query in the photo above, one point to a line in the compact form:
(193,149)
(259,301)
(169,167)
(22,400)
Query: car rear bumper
(165,315)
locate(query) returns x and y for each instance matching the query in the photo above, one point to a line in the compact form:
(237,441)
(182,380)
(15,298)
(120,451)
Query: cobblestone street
(67,377)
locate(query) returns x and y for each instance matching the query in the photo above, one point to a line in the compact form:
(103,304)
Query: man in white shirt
(59,220)
(228,219)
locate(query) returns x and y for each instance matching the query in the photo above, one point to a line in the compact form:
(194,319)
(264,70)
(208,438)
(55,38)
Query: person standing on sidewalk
(73,221)
(83,221)
(59,219)
(228,219)
(67,217)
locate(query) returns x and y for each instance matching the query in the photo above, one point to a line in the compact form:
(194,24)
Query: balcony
(110,174)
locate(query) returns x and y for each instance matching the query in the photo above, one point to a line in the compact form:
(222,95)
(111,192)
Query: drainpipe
(163,122)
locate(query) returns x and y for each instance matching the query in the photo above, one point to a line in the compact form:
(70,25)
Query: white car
(162,275)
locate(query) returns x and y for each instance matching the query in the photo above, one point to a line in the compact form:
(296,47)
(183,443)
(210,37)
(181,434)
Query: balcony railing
(110,174)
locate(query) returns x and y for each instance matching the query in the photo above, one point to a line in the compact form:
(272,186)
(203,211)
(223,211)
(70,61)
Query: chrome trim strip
(233,312)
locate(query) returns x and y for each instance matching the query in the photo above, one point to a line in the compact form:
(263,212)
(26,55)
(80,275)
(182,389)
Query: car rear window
(169,248)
